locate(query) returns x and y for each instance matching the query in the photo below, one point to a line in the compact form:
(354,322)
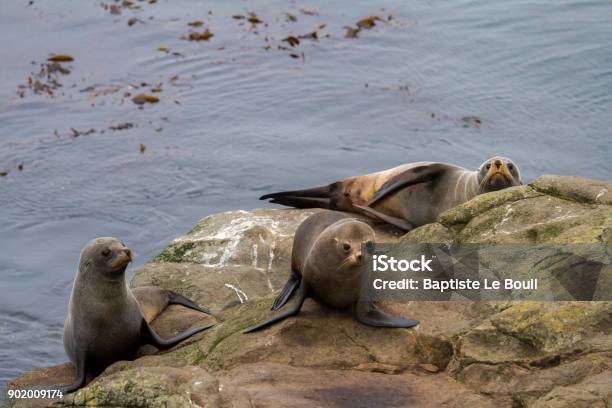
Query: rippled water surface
(237,118)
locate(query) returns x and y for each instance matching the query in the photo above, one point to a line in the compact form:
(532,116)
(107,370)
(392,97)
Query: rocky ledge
(498,354)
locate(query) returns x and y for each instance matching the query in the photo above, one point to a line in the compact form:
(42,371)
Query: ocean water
(238,117)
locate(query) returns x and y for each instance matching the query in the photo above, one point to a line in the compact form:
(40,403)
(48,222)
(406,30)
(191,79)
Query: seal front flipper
(415,175)
(302,294)
(368,314)
(149,336)
(290,286)
(398,222)
(178,299)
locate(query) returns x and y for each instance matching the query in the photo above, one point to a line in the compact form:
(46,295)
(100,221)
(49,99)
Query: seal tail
(290,286)
(178,299)
(292,311)
(316,197)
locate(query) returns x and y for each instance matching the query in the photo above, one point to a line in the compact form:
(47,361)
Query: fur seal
(406,196)
(326,265)
(105,322)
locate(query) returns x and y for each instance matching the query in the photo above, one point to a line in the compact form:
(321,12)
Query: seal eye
(488,166)
(106,252)
(510,166)
(346,246)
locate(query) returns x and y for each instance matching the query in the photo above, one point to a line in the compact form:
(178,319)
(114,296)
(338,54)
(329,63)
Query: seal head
(108,257)
(498,173)
(334,263)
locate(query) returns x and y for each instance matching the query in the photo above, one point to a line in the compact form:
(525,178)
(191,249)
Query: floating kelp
(46,80)
(121,126)
(203,36)
(352,32)
(368,22)
(142,148)
(292,40)
(60,58)
(57,67)
(76,133)
(471,121)
(291,17)
(143,98)
(134,20)
(253,19)
(310,36)
(196,23)
(113,9)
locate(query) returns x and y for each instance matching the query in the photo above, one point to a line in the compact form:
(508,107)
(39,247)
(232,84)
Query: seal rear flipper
(415,175)
(316,197)
(368,314)
(290,286)
(292,311)
(398,222)
(178,299)
(149,336)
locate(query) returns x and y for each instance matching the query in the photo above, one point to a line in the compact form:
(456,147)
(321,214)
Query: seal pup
(406,196)
(105,323)
(326,264)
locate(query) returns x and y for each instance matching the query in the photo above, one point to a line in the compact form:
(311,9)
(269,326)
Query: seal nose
(498,163)
(359,257)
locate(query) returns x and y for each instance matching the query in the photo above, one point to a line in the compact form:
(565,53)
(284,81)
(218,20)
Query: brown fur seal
(105,323)
(409,195)
(326,265)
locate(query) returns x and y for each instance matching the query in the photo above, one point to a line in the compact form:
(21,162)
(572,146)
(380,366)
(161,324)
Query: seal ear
(335,240)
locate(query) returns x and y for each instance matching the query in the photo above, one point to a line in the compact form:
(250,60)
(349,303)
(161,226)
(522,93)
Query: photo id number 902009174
(34,393)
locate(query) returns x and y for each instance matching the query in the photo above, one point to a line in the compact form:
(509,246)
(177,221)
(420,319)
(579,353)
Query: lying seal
(326,265)
(406,196)
(105,322)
